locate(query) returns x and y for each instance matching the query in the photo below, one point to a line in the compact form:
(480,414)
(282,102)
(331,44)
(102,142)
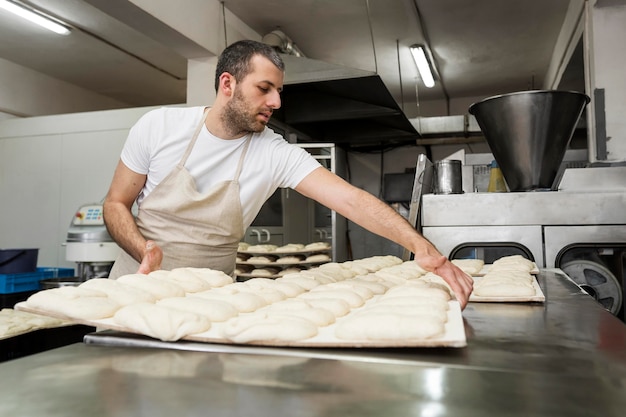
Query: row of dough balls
(14,322)
(169,305)
(509,276)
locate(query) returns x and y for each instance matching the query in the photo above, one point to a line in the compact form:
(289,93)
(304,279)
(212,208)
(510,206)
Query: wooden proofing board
(538,297)
(454,335)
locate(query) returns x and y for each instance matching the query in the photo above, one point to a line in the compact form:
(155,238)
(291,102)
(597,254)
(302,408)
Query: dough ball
(264,272)
(352,298)
(469,266)
(213,277)
(319,257)
(290,260)
(213,310)
(74,302)
(184,277)
(160,322)
(338,307)
(244,302)
(302,309)
(261,259)
(265,328)
(157,287)
(317,246)
(119,292)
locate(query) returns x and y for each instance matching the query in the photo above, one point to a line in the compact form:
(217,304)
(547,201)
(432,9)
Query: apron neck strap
(196,133)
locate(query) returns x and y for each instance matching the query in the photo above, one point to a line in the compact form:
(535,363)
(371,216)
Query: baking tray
(454,335)
(538,297)
(285,253)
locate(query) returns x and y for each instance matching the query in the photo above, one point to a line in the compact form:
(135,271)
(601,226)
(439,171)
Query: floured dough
(261,260)
(317,246)
(320,257)
(510,289)
(214,310)
(184,277)
(74,302)
(244,302)
(306,282)
(157,287)
(289,259)
(417,290)
(413,300)
(213,277)
(288,288)
(302,309)
(469,266)
(352,298)
(265,328)
(349,285)
(264,272)
(160,322)
(270,295)
(335,305)
(262,248)
(119,292)
(290,247)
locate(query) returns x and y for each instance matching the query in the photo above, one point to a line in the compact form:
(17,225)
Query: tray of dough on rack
(508,279)
(271,261)
(375,302)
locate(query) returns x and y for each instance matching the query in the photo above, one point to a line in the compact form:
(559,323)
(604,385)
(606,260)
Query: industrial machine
(568,218)
(89,243)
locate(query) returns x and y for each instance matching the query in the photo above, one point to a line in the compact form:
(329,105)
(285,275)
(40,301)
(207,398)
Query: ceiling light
(423,66)
(34,16)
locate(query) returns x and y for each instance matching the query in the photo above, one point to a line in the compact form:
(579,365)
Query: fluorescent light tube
(422,65)
(31,16)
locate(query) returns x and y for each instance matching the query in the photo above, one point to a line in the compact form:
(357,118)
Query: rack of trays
(272,261)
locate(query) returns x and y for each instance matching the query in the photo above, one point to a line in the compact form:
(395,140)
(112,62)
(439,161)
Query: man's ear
(227,84)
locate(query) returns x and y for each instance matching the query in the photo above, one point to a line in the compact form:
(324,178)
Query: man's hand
(152,257)
(460,283)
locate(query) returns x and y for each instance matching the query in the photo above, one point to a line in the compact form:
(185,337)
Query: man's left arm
(376,216)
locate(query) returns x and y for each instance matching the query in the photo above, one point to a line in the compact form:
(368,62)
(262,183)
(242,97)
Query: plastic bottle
(496,179)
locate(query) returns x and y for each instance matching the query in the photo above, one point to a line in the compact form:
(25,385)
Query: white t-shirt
(157,142)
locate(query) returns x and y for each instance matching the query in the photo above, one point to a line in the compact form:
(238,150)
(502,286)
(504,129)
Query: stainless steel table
(566,357)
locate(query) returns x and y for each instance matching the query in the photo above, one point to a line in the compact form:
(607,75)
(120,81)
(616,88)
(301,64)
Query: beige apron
(193,229)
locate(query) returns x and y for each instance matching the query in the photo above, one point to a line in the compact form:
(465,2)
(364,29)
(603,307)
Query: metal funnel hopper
(528,133)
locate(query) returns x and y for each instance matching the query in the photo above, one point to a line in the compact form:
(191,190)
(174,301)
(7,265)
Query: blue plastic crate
(29,281)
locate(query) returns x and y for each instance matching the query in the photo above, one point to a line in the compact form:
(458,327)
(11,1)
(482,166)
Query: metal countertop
(564,357)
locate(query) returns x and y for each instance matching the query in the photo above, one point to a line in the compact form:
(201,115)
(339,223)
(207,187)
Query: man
(201,175)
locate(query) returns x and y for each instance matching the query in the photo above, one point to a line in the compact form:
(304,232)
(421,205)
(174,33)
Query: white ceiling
(481,47)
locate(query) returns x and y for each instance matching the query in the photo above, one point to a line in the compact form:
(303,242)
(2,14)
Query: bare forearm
(374,215)
(122,227)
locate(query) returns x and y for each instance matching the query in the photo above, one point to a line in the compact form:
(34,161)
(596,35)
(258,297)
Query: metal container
(447,177)
(528,133)
(50,283)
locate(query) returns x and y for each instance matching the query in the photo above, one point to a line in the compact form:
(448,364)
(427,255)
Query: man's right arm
(119,220)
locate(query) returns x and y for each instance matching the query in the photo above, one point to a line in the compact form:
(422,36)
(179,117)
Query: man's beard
(237,119)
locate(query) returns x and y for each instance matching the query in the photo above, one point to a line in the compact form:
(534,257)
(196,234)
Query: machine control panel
(89,215)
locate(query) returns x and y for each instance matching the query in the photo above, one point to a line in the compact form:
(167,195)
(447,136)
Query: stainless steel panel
(529,208)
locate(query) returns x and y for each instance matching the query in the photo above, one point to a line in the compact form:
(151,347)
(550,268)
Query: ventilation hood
(349,107)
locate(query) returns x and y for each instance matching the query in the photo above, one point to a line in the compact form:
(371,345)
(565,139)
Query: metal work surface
(564,357)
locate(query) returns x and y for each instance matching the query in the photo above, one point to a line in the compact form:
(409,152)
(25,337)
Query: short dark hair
(235,59)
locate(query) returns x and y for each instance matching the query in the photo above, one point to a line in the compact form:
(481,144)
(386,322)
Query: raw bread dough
(349,285)
(264,272)
(352,298)
(157,287)
(214,310)
(119,292)
(14,322)
(262,248)
(244,302)
(335,305)
(410,290)
(289,260)
(74,302)
(469,266)
(503,289)
(305,281)
(183,277)
(213,277)
(270,295)
(409,309)
(514,261)
(389,327)
(317,246)
(261,260)
(320,257)
(412,300)
(261,327)
(302,309)
(160,322)
(290,270)
(291,247)
(287,288)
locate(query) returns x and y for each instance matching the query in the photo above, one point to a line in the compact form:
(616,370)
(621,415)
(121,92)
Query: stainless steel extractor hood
(335,104)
